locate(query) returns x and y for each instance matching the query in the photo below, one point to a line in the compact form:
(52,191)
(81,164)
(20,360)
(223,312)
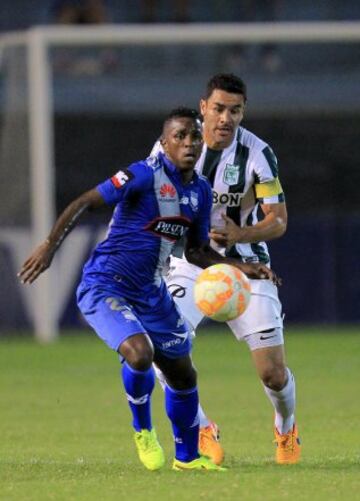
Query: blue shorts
(115,318)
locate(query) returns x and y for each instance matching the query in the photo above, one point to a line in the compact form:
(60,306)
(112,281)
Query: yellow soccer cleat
(201,463)
(209,444)
(150,451)
(288,449)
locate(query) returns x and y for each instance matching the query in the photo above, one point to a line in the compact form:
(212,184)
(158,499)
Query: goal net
(57,84)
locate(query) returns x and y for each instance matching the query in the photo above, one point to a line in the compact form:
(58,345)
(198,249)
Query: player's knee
(274,377)
(141,361)
(138,355)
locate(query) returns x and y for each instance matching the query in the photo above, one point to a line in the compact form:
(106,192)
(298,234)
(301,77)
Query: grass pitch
(66,434)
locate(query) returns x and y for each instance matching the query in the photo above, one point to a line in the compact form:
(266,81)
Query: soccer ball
(222,292)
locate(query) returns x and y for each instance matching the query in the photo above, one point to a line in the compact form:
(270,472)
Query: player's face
(182,142)
(222,113)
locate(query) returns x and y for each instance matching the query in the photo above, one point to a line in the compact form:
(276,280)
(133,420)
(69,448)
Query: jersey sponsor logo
(121,178)
(180,339)
(229,199)
(171,228)
(177,290)
(167,193)
(169,344)
(231,174)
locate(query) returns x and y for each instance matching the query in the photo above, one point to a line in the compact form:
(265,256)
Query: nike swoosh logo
(183,336)
(262,338)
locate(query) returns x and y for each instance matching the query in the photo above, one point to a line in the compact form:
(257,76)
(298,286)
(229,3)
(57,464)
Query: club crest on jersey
(231,174)
(192,200)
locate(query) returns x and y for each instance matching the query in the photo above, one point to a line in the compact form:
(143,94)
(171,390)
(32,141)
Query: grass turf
(66,434)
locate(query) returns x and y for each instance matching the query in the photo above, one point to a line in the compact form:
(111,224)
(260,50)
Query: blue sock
(139,386)
(182,409)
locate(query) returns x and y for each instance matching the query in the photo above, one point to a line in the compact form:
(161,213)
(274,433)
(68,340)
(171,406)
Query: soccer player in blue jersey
(122,294)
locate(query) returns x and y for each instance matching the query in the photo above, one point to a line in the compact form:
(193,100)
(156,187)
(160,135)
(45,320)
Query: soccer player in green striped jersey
(243,172)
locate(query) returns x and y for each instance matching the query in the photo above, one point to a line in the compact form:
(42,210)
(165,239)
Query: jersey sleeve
(268,189)
(125,183)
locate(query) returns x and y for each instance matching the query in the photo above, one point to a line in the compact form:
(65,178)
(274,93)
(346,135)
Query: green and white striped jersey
(242,176)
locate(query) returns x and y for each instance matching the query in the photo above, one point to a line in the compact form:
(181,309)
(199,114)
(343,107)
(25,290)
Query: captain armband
(270,189)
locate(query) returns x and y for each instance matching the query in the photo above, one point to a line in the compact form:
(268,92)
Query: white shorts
(263,313)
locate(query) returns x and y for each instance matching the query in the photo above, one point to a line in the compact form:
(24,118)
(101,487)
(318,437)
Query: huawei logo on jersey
(172,228)
(167,191)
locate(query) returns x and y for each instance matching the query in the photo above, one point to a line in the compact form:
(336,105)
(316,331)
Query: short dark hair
(227,82)
(182,112)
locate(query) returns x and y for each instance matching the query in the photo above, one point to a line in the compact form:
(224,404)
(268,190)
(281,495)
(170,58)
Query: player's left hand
(228,235)
(38,262)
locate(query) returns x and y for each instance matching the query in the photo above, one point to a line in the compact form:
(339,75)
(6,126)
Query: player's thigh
(181,287)
(168,329)
(263,313)
(109,315)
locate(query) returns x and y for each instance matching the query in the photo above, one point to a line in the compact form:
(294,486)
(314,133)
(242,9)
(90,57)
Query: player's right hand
(259,271)
(38,262)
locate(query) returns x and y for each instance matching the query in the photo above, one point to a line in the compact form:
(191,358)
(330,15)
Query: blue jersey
(153,210)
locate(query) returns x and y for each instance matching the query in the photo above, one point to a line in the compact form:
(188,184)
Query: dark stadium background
(315,136)
(318,257)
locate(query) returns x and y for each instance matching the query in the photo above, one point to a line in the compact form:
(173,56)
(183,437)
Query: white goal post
(39,40)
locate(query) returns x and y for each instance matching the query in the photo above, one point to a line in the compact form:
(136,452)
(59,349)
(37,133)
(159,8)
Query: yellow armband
(269,189)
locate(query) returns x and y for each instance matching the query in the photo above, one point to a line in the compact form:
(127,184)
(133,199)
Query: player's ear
(202,106)
(163,143)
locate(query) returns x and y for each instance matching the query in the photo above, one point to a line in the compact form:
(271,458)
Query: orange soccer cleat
(288,449)
(209,444)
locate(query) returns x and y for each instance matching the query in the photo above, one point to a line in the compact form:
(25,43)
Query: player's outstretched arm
(43,255)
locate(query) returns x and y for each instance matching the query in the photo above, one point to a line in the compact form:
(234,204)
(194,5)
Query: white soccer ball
(222,292)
